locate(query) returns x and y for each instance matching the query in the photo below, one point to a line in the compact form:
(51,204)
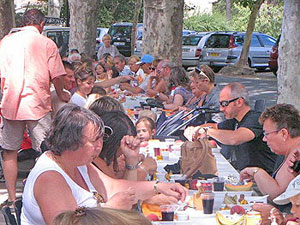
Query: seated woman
(281,125)
(64,178)
(179,87)
(113,156)
(204,80)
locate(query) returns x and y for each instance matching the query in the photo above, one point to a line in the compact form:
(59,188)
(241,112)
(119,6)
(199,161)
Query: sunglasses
(152,68)
(108,131)
(227,102)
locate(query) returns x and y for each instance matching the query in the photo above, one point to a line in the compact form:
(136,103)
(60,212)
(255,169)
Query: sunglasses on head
(108,131)
(227,102)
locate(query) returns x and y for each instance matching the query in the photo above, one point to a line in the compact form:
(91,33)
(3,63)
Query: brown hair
(147,120)
(97,216)
(209,73)
(284,116)
(83,71)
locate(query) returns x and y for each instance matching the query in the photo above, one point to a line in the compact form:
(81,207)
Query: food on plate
(224,218)
(153,217)
(149,209)
(230,200)
(242,200)
(238,210)
(239,187)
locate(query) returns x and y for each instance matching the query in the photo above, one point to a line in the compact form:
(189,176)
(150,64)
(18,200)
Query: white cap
(292,190)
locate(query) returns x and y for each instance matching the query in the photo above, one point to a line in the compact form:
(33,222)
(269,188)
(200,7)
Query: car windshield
(120,31)
(191,40)
(218,41)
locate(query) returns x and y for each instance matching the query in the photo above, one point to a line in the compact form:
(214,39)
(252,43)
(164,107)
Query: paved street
(261,86)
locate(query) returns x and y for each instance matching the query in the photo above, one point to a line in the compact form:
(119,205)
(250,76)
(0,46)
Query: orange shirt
(28,62)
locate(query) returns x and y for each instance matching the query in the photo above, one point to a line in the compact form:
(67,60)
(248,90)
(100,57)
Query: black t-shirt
(255,152)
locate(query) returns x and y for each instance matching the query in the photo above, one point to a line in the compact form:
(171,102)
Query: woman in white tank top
(64,178)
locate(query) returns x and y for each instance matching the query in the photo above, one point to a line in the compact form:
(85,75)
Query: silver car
(224,48)
(191,49)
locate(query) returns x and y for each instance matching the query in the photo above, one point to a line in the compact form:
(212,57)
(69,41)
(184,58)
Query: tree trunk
(54,7)
(6,17)
(162,29)
(83,26)
(243,61)
(228,10)
(289,55)
(138,6)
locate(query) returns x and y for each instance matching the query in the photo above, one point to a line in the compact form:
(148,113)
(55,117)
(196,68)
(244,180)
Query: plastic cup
(207,202)
(167,212)
(218,184)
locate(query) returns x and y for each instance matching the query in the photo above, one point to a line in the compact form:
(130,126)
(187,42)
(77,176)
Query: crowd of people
(90,147)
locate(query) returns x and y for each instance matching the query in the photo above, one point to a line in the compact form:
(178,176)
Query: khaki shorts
(12,132)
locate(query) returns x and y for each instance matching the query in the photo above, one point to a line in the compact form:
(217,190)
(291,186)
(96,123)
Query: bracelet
(130,167)
(255,171)
(155,187)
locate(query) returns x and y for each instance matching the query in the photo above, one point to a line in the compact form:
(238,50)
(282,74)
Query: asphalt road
(261,86)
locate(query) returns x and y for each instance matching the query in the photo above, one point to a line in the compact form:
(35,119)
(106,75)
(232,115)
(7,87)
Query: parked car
(100,33)
(224,48)
(191,49)
(273,64)
(60,35)
(121,36)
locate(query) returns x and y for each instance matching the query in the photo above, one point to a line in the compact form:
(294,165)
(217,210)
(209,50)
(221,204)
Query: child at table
(145,128)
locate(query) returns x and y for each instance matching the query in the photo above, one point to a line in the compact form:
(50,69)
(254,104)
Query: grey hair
(33,17)
(166,63)
(239,90)
(66,131)
(121,57)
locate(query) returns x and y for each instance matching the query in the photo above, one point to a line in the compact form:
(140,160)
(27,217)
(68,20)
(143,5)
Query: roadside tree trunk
(6,17)
(242,66)
(162,29)
(228,10)
(54,7)
(83,26)
(243,61)
(138,6)
(288,77)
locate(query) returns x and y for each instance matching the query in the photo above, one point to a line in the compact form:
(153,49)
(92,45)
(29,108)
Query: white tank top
(31,213)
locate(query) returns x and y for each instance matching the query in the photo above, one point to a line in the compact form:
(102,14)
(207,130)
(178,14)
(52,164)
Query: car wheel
(249,62)
(274,72)
(261,68)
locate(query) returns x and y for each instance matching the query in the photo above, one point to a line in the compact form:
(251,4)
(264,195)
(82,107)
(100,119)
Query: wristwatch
(255,171)
(131,167)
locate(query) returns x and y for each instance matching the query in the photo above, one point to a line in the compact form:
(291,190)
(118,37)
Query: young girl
(85,80)
(145,128)
(100,72)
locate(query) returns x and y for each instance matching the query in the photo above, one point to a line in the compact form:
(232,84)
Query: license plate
(119,43)
(214,54)
(185,50)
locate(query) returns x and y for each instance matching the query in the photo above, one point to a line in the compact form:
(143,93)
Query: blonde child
(145,128)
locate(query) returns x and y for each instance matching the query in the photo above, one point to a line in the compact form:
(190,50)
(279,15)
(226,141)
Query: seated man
(241,129)
(141,74)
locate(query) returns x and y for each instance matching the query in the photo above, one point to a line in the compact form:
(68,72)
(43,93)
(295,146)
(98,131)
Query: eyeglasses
(227,102)
(152,68)
(271,132)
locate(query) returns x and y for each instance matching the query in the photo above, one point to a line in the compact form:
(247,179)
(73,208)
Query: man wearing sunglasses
(241,130)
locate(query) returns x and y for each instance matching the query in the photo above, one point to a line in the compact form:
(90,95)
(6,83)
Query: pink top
(28,62)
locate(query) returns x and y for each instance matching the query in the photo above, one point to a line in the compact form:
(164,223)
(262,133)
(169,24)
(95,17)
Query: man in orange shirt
(28,62)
